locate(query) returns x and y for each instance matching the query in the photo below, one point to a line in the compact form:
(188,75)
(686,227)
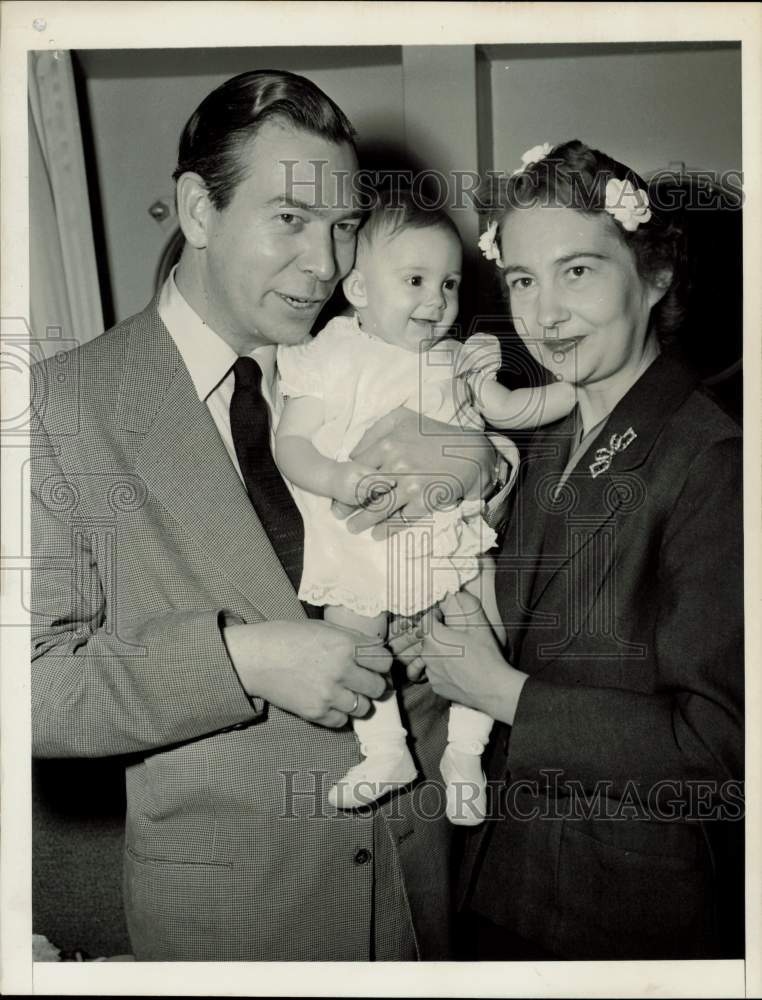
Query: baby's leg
(468,730)
(383,739)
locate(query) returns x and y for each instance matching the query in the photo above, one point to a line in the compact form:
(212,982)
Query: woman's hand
(464,662)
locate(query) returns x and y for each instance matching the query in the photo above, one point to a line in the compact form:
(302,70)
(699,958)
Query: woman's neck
(598,399)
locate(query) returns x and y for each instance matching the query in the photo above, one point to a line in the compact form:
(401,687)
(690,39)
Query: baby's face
(411,284)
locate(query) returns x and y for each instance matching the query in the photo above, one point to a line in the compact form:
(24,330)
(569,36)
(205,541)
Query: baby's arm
(300,461)
(523,408)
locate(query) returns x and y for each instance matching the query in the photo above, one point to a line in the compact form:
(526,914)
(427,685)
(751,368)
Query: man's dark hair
(228,119)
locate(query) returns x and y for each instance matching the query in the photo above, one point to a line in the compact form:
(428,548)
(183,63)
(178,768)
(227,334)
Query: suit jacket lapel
(185,465)
(592,496)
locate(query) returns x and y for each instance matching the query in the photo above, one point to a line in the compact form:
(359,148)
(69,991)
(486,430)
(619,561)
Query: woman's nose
(318,258)
(550,307)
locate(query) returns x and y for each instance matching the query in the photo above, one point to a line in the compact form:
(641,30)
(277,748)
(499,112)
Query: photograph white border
(78,25)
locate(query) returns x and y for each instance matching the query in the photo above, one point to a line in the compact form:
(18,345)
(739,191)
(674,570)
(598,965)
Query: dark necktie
(270,497)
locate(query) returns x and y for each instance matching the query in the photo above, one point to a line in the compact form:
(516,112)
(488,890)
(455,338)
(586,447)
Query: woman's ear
(193,209)
(353,287)
(659,285)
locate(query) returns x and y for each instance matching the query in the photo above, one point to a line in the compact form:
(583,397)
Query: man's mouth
(299,303)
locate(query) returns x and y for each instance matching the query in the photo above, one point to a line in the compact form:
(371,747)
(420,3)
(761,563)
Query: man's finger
(364,681)
(333,719)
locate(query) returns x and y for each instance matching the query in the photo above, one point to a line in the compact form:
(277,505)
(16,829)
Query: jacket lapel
(185,466)
(602,483)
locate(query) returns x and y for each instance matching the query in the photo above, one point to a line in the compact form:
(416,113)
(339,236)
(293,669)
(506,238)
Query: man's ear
(353,287)
(193,209)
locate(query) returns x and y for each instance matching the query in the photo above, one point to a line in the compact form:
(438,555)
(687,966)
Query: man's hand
(434,467)
(309,668)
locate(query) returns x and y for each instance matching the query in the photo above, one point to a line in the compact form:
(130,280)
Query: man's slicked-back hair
(215,135)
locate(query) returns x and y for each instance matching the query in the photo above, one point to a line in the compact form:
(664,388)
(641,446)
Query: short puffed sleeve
(303,369)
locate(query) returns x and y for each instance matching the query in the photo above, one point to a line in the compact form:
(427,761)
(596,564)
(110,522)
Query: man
(165,621)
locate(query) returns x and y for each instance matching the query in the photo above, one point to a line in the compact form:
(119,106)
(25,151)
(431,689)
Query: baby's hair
(398,210)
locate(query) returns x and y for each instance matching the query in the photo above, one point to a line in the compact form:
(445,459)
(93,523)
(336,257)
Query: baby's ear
(354,289)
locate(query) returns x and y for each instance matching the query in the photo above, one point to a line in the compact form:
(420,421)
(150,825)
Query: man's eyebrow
(284,201)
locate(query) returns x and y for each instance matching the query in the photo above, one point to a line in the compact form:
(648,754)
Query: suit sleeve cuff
(259,705)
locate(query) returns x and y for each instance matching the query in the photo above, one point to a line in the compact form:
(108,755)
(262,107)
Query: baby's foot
(466,787)
(380,772)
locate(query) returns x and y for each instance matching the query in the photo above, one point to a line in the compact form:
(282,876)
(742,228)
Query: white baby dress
(360,378)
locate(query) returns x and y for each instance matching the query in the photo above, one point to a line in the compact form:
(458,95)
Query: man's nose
(550,307)
(319,258)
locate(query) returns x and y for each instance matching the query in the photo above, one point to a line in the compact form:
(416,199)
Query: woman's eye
(578,271)
(520,284)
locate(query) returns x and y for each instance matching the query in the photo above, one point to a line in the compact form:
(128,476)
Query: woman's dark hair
(230,117)
(575,176)
(396,210)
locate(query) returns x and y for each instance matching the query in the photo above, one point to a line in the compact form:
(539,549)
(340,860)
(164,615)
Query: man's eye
(347,230)
(289,219)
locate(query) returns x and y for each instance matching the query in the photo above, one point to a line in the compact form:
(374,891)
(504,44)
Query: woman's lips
(561,346)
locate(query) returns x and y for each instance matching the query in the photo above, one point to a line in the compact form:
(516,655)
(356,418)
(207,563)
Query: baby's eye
(416,280)
(451,284)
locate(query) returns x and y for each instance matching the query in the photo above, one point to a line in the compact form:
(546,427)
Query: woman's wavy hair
(573,175)
(229,118)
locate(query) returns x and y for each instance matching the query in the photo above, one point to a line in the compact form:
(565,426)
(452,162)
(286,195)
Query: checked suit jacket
(622,597)
(144,539)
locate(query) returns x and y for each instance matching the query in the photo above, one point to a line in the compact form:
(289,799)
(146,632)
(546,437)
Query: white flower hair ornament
(628,204)
(533,155)
(488,244)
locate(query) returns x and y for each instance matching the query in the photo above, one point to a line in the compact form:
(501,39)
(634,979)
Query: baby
(395,352)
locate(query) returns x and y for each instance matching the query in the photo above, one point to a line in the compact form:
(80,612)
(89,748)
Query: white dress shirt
(210,361)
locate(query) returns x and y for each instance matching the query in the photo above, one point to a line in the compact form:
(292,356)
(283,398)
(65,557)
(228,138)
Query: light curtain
(65,294)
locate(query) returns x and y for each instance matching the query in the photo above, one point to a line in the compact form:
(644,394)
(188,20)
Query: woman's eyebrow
(581,253)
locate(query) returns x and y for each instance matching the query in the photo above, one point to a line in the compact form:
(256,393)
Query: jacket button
(362,857)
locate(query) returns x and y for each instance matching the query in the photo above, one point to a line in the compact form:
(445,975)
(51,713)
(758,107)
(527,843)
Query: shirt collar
(206,355)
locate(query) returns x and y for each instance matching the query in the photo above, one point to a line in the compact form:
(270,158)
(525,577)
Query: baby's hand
(360,485)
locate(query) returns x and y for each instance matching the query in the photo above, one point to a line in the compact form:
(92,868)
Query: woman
(619,586)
